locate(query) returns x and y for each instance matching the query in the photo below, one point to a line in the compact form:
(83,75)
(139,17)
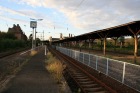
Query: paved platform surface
(33,78)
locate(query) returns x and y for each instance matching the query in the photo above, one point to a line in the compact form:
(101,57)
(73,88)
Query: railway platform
(33,78)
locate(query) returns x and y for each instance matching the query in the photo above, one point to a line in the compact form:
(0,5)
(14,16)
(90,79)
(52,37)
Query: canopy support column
(101,43)
(135,42)
(85,43)
(104,51)
(89,45)
(136,48)
(103,36)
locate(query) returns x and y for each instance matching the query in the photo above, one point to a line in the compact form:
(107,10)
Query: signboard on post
(33,24)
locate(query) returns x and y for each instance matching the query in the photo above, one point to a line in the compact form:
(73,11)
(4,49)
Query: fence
(123,72)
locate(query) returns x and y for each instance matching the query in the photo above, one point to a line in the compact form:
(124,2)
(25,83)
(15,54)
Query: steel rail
(83,73)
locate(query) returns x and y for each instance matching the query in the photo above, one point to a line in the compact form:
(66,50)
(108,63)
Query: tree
(4,35)
(121,40)
(81,43)
(30,37)
(115,42)
(10,36)
(38,41)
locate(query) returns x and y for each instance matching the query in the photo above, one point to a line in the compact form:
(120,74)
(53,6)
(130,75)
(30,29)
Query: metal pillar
(33,39)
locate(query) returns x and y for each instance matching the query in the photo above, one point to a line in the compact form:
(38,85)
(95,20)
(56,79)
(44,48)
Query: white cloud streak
(97,14)
(8,14)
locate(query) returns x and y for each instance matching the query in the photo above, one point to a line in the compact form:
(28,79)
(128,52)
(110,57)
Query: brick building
(16,30)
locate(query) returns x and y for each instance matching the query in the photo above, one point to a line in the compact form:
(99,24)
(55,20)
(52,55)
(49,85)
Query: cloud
(10,11)
(23,16)
(92,14)
(23,13)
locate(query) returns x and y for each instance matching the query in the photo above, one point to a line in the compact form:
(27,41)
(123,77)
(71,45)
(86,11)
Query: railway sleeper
(90,86)
(99,92)
(87,82)
(98,89)
(75,72)
(86,79)
(78,75)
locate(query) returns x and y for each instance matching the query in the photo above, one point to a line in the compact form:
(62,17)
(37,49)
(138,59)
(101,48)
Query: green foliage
(38,41)
(121,39)
(109,44)
(8,41)
(9,44)
(4,35)
(30,37)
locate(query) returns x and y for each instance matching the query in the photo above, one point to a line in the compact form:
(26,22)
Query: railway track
(86,82)
(12,53)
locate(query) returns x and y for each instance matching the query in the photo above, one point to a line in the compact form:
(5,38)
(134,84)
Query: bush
(10,44)
(33,52)
(55,67)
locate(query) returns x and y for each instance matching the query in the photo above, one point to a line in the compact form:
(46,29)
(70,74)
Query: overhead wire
(79,4)
(84,7)
(71,12)
(82,1)
(76,7)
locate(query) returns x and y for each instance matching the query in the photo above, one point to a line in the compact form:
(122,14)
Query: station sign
(33,24)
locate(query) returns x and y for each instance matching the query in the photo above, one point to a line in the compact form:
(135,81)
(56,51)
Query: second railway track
(85,81)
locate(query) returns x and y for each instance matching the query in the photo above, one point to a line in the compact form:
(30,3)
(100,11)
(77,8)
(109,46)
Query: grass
(20,66)
(55,67)
(12,68)
(33,52)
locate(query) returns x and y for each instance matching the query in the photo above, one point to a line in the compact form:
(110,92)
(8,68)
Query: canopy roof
(128,29)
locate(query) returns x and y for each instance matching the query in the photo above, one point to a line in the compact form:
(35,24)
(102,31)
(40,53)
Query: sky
(67,16)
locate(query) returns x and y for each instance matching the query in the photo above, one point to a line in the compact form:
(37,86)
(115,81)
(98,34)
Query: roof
(55,39)
(116,31)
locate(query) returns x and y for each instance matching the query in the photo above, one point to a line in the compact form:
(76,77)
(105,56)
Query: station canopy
(128,29)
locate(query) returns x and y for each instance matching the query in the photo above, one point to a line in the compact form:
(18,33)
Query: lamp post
(33,24)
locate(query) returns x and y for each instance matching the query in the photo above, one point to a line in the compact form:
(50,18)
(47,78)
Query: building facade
(16,30)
